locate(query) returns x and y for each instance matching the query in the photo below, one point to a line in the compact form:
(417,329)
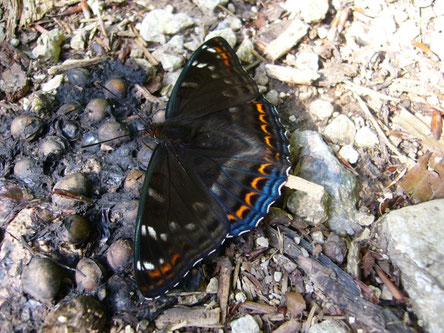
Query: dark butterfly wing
(241,154)
(178,223)
(213,79)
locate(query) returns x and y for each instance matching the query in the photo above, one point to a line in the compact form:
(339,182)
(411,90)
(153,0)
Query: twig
(70,64)
(404,159)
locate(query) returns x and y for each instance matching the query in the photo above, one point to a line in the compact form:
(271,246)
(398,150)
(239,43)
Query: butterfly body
(221,160)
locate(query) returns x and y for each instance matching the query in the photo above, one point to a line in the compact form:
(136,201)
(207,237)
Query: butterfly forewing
(178,223)
(212,79)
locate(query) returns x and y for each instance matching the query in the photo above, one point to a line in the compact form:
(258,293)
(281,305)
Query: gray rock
(321,109)
(49,45)
(208,6)
(307,60)
(294,32)
(319,165)
(413,238)
(227,33)
(273,97)
(312,11)
(78,40)
(366,138)
(169,62)
(312,207)
(341,130)
(329,326)
(161,22)
(245,324)
(245,51)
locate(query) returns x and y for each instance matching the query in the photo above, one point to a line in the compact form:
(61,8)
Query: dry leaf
(422,183)
(368,262)
(436,125)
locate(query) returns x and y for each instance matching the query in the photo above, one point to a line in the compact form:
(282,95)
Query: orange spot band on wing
(262,168)
(248,197)
(265,129)
(260,107)
(262,118)
(231,217)
(256,181)
(267,141)
(241,210)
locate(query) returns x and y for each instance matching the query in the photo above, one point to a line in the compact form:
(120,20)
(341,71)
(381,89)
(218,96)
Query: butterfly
(220,162)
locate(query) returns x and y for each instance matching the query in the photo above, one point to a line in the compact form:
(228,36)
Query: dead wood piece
(335,285)
(416,127)
(225,268)
(289,327)
(256,307)
(70,64)
(178,317)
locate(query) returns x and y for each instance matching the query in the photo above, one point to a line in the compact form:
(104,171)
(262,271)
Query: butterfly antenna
(118,99)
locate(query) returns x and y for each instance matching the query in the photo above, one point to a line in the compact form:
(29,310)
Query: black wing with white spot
(213,79)
(178,223)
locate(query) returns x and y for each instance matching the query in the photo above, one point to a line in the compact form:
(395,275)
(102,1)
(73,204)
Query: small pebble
(27,171)
(244,324)
(366,138)
(341,130)
(79,76)
(41,279)
(97,109)
(75,183)
(111,130)
(88,274)
(77,229)
(120,254)
(318,237)
(134,182)
(335,249)
(26,127)
(349,154)
(52,145)
(321,109)
(115,88)
(80,314)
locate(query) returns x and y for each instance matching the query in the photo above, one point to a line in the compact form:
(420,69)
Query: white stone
(307,60)
(291,75)
(245,51)
(295,31)
(328,326)
(366,138)
(312,11)
(240,297)
(169,62)
(321,109)
(227,33)
(349,154)
(159,22)
(262,242)
(78,40)
(208,6)
(341,130)
(212,286)
(49,45)
(245,324)
(318,237)
(277,276)
(54,83)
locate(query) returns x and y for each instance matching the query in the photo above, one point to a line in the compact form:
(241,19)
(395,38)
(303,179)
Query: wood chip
(295,303)
(225,268)
(70,64)
(178,317)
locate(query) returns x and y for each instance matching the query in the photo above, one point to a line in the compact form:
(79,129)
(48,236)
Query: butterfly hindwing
(178,224)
